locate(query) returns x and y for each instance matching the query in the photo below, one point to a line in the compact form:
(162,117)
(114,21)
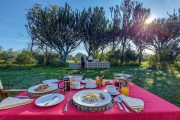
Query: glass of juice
(125,90)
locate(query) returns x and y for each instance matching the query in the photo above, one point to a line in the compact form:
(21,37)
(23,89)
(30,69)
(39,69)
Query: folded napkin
(134,103)
(11,102)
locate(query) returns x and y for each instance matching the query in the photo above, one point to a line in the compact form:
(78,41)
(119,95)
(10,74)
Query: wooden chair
(4,93)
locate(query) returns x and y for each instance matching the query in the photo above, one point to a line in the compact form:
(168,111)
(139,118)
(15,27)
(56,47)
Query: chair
(4,93)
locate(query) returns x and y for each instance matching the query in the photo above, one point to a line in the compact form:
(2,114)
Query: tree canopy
(62,29)
(55,27)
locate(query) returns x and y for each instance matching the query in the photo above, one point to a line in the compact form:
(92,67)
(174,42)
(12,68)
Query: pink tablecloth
(155,109)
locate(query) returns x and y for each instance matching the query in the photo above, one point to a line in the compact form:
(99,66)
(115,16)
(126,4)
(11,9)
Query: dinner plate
(52,88)
(49,100)
(79,98)
(50,81)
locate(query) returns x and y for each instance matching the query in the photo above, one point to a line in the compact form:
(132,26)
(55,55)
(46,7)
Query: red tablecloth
(155,109)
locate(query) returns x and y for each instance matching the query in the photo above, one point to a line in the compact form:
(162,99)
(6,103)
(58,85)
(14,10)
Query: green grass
(160,83)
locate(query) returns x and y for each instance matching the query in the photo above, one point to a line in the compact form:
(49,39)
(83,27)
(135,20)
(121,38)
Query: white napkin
(134,103)
(11,102)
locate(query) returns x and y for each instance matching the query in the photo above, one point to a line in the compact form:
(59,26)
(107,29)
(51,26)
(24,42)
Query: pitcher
(67,84)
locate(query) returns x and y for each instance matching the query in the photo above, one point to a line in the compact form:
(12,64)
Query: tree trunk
(64,57)
(122,52)
(140,58)
(45,57)
(140,54)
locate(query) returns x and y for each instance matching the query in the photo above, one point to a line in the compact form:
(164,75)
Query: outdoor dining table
(155,109)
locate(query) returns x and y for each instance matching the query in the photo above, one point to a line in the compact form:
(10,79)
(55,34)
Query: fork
(119,105)
(120,101)
(67,101)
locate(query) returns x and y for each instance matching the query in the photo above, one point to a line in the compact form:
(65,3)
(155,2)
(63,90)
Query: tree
(93,28)
(164,38)
(55,27)
(138,29)
(123,19)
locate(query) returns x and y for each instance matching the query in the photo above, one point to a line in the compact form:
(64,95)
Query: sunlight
(149,20)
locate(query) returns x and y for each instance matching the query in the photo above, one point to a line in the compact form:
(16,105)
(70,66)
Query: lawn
(160,83)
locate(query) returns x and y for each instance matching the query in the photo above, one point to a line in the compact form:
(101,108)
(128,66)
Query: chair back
(1,86)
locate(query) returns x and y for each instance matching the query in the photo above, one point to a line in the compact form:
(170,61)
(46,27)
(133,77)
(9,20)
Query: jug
(67,84)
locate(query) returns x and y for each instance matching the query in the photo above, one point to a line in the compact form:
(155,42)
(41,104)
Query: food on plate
(108,81)
(94,97)
(41,88)
(101,96)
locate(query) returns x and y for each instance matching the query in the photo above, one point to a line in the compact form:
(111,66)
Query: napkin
(11,102)
(134,103)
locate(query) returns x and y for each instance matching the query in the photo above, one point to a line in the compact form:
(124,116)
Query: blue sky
(12,16)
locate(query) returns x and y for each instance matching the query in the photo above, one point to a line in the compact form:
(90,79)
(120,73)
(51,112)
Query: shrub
(25,57)
(8,57)
(76,59)
(130,56)
(113,57)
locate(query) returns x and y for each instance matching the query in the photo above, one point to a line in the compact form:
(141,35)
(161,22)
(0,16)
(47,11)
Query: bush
(8,57)
(39,59)
(152,61)
(2,61)
(113,57)
(76,59)
(130,56)
(25,57)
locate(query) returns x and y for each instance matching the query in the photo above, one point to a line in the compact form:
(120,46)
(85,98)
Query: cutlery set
(119,102)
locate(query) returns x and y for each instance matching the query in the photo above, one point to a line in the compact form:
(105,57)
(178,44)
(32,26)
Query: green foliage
(114,57)
(76,59)
(25,57)
(69,57)
(93,28)
(152,60)
(130,56)
(8,56)
(55,27)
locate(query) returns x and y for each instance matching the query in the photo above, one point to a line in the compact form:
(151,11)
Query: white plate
(31,89)
(90,87)
(115,93)
(78,88)
(50,81)
(43,100)
(79,98)
(87,80)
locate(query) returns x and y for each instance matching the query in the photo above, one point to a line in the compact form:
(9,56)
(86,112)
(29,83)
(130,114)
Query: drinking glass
(125,90)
